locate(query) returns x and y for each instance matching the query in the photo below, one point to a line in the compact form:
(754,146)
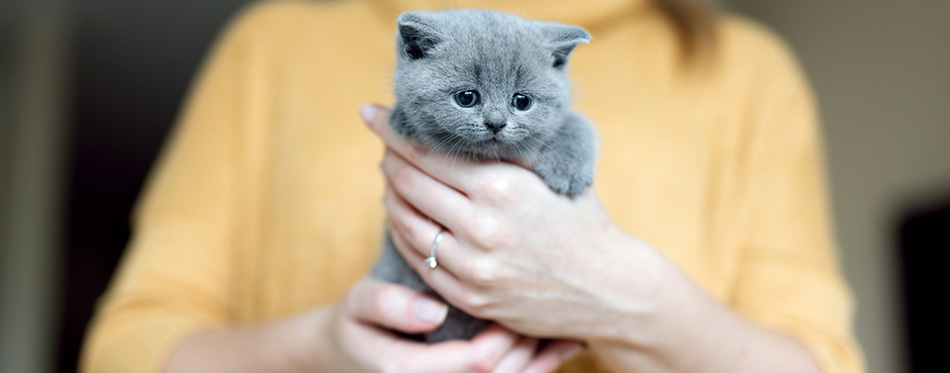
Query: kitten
(489,86)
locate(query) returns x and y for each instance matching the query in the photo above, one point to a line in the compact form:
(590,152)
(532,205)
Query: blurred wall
(6,127)
(34,83)
(881,70)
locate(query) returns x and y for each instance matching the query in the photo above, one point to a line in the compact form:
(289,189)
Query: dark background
(124,67)
(134,64)
(924,238)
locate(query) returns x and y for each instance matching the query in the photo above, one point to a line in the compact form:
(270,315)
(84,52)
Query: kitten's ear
(417,36)
(563,39)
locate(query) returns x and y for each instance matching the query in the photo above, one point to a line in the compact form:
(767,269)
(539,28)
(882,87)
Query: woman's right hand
(351,336)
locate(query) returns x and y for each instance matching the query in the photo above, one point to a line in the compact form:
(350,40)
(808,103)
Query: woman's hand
(513,249)
(352,336)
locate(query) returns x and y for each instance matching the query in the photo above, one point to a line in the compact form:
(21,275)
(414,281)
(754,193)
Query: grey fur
(499,55)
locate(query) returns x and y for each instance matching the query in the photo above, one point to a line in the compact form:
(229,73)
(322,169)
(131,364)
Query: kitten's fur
(499,55)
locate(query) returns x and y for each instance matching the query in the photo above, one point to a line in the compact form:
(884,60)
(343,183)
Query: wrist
(646,301)
(667,322)
(678,313)
(633,299)
(300,341)
(270,347)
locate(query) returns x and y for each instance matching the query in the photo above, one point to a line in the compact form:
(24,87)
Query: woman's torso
(308,217)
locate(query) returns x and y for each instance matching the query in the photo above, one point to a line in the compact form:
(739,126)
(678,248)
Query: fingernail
(570,352)
(368,111)
(430,310)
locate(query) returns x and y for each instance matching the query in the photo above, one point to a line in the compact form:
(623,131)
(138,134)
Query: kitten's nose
(495,127)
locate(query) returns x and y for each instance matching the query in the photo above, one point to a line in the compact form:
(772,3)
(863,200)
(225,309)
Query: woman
(710,251)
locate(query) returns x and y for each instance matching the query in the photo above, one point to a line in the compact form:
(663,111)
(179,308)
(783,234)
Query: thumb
(394,307)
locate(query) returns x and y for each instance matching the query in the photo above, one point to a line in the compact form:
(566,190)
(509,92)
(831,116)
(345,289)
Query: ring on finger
(431,261)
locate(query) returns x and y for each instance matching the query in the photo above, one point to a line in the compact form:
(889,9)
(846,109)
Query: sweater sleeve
(788,278)
(173,278)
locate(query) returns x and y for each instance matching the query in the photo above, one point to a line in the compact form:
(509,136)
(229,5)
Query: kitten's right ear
(563,39)
(417,36)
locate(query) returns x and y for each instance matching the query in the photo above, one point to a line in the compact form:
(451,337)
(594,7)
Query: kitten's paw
(565,179)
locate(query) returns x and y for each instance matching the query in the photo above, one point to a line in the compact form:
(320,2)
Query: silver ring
(430,261)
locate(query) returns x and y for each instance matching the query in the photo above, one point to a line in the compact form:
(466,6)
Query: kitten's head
(483,83)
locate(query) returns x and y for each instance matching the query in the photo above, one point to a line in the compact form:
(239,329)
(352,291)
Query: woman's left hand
(512,249)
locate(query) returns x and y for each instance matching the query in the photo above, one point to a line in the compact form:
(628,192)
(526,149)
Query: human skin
(549,266)
(349,336)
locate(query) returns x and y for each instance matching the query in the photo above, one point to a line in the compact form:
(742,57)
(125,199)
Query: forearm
(687,330)
(272,347)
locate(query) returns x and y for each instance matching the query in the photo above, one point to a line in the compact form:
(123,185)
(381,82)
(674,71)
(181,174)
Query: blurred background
(89,88)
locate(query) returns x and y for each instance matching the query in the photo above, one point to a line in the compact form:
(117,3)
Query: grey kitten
(489,86)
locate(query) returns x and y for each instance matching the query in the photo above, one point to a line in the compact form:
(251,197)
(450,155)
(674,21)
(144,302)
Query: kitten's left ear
(563,39)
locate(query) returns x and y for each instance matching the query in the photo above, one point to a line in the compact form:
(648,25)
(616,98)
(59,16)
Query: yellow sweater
(265,202)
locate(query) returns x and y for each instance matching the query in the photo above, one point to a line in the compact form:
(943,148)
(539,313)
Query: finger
(439,164)
(494,343)
(394,307)
(481,354)
(438,201)
(553,356)
(419,232)
(439,279)
(518,357)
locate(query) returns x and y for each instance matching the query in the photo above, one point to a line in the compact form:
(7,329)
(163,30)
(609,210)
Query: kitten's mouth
(488,147)
(492,143)
(495,138)
(485,145)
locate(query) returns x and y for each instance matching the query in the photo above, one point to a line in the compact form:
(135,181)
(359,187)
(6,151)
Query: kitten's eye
(466,98)
(521,101)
